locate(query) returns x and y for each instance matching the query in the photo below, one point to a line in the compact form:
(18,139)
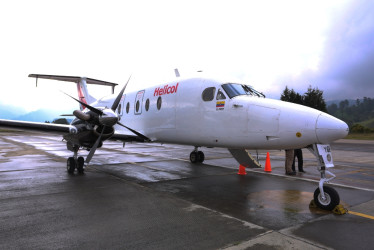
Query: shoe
(291,173)
(302,171)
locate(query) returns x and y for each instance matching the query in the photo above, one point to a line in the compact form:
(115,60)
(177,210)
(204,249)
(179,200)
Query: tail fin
(81,82)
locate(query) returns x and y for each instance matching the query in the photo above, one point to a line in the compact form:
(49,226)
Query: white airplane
(201,113)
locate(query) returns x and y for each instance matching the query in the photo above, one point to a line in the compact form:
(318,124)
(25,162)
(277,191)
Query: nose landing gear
(325,197)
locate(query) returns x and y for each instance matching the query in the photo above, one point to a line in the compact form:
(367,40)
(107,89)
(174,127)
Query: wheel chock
(312,204)
(340,210)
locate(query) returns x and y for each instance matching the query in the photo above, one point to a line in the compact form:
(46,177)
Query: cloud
(346,68)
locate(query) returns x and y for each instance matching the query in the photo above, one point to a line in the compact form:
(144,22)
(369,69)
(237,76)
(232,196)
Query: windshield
(234,89)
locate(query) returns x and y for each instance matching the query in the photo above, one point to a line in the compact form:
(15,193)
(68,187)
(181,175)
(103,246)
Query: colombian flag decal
(220,105)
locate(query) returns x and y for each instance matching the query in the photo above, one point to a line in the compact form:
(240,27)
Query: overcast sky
(268,44)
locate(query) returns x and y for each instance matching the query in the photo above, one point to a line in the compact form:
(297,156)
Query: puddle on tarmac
(292,201)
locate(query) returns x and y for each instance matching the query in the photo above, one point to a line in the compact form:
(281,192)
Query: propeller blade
(135,132)
(118,99)
(93,149)
(95,110)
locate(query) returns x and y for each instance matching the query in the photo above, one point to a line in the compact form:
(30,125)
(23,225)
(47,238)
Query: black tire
(70,165)
(80,162)
(193,157)
(332,198)
(200,156)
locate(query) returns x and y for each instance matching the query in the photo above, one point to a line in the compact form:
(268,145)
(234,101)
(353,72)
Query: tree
(314,98)
(332,109)
(291,96)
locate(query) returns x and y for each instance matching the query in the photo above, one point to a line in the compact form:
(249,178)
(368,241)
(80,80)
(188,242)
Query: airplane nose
(329,128)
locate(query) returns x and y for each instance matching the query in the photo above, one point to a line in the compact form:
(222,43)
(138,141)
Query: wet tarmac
(149,196)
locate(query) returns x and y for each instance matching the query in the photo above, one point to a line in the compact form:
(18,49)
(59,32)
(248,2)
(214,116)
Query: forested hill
(360,112)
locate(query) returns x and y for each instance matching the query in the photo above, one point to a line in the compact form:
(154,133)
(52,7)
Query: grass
(360,136)
(368,123)
(6,130)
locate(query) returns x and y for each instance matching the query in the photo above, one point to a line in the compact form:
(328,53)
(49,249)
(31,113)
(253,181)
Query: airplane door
(214,108)
(139,102)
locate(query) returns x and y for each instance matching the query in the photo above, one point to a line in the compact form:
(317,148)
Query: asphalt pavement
(149,196)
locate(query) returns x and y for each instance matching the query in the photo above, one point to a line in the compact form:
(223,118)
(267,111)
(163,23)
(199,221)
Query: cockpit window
(208,94)
(234,89)
(220,95)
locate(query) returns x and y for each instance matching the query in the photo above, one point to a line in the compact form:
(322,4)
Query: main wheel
(193,157)
(80,162)
(331,200)
(70,165)
(200,156)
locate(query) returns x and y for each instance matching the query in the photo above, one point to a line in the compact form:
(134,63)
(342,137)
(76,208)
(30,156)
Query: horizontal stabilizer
(75,79)
(244,158)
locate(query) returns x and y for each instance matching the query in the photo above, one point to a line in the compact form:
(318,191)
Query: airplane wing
(35,126)
(58,129)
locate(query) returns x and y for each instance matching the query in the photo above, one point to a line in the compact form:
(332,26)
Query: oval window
(159,102)
(119,109)
(147,105)
(137,106)
(127,107)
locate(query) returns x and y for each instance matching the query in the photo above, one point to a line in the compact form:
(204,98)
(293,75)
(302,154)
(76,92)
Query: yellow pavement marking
(362,215)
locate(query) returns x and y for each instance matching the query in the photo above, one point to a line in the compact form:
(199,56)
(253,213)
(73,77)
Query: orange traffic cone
(241,170)
(267,163)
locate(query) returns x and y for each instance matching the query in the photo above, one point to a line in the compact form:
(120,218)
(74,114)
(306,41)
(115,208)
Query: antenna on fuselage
(176,71)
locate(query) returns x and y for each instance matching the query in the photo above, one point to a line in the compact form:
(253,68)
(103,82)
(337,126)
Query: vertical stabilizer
(81,82)
(83,94)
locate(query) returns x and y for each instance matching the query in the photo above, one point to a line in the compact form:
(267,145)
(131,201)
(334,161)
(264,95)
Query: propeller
(93,109)
(118,99)
(93,149)
(107,118)
(135,132)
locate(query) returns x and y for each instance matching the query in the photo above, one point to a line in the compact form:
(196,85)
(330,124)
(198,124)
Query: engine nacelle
(108,132)
(81,115)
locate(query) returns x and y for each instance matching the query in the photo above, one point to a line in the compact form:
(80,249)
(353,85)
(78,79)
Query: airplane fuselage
(210,113)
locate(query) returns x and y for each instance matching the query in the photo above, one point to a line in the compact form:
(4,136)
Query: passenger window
(147,105)
(220,95)
(159,102)
(137,106)
(127,107)
(208,94)
(119,109)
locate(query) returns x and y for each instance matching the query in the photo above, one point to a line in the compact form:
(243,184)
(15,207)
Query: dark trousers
(299,154)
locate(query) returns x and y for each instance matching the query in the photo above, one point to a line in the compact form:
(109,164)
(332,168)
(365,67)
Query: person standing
(299,154)
(288,162)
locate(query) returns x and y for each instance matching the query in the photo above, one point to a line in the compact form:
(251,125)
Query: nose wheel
(329,200)
(197,156)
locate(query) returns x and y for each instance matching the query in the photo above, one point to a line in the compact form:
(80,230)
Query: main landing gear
(197,156)
(75,163)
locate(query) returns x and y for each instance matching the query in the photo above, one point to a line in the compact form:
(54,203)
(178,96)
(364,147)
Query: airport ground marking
(361,215)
